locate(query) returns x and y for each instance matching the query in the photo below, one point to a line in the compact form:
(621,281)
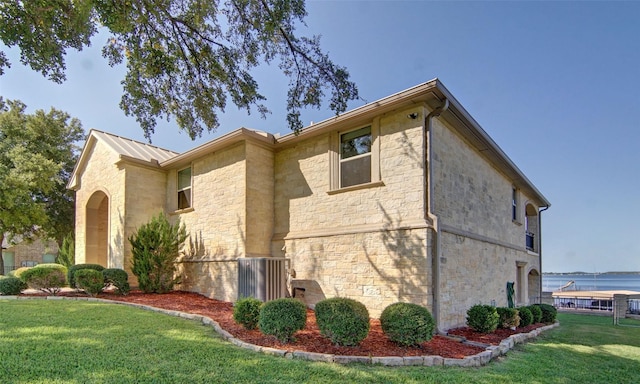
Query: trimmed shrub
(49,278)
(10,285)
(90,280)
(549,313)
(282,318)
(536,312)
(66,253)
(246,311)
(343,321)
(78,267)
(18,272)
(407,324)
(526,317)
(509,317)
(119,278)
(483,318)
(155,247)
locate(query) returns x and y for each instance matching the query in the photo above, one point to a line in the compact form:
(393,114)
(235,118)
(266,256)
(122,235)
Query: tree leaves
(185,58)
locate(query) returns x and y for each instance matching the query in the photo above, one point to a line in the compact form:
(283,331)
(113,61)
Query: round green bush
(407,324)
(537,314)
(119,278)
(246,311)
(18,272)
(508,317)
(74,268)
(90,280)
(549,313)
(344,321)
(10,285)
(526,317)
(483,318)
(49,278)
(282,318)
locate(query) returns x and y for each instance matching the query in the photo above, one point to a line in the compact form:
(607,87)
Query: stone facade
(441,221)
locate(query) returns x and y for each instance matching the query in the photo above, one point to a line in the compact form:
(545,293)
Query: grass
(84,342)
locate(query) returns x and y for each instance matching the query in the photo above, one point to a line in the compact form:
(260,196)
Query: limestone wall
(101,175)
(216,224)
(482,248)
(369,244)
(28,253)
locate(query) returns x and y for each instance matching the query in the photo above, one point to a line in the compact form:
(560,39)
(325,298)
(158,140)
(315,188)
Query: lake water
(592,282)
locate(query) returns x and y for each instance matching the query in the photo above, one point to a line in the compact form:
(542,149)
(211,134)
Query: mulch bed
(309,339)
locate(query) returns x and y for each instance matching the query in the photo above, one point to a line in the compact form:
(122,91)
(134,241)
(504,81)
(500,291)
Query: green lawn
(84,342)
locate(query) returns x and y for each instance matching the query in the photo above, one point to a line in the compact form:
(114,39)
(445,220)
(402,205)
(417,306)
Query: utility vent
(262,277)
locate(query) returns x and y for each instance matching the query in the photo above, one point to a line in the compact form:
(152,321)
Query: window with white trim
(355,157)
(184,188)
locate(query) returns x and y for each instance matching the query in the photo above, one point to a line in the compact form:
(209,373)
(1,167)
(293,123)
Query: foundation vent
(262,277)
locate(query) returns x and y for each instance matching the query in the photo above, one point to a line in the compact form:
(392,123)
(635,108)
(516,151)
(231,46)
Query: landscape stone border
(491,351)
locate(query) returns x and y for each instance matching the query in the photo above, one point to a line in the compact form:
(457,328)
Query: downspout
(428,210)
(540,249)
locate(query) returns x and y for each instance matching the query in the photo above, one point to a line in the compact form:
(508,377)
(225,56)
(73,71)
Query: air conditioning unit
(262,277)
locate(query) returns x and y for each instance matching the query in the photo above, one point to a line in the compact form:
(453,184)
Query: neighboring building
(403,199)
(24,253)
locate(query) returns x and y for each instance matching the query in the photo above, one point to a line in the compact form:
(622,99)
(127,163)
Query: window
(48,258)
(355,157)
(514,204)
(184,188)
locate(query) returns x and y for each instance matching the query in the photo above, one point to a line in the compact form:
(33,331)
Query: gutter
(540,248)
(428,210)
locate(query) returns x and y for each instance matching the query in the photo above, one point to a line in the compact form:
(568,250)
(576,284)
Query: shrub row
(50,278)
(486,318)
(344,321)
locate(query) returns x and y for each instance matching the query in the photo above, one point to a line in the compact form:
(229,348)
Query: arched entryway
(533,282)
(97,230)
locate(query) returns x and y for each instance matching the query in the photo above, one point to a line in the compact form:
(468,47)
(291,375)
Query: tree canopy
(37,155)
(185,58)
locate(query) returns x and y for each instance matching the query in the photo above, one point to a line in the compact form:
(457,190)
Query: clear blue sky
(556,84)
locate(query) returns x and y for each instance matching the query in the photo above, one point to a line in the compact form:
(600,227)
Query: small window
(514,204)
(184,188)
(48,258)
(355,157)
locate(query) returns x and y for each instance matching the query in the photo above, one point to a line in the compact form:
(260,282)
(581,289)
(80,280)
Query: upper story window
(184,188)
(355,157)
(514,204)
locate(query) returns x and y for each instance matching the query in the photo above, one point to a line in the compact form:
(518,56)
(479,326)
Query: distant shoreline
(591,273)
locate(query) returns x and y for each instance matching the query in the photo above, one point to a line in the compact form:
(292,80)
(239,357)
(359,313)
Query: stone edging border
(491,352)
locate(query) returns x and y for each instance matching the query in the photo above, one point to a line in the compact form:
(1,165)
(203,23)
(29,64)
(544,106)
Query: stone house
(23,253)
(403,199)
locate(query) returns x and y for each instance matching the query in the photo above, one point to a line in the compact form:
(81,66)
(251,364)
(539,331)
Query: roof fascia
(74,183)
(242,134)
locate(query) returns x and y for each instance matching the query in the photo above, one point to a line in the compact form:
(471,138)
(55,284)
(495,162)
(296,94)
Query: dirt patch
(309,339)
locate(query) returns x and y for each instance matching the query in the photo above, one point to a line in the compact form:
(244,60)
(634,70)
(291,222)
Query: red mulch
(309,339)
(493,338)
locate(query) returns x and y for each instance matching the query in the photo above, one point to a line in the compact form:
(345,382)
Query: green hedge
(407,324)
(282,318)
(246,312)
(526,318)
(549,313)
(10,285)
(49,278)
(536,312)
(344,321)
(509,317)
(77,267)
(89,280)
(483,318)
(119,278)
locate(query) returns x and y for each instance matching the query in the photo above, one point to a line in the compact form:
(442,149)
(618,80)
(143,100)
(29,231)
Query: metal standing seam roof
(134,149)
